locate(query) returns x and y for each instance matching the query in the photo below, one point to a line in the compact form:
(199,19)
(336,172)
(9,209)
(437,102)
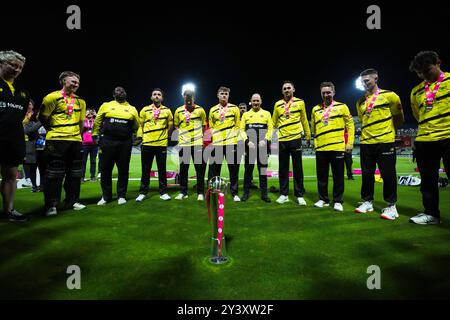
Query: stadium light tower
(188,86)
(359,85)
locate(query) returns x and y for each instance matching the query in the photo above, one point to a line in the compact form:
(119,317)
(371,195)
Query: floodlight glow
(187,87)
(359,85)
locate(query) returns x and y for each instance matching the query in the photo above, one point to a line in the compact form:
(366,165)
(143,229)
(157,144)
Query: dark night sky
(244,45)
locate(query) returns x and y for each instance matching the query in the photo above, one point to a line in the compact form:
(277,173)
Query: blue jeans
(91,151)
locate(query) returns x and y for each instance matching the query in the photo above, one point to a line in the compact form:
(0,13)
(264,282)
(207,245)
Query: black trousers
(429,155)
(42,165)
(115,152)
(261,157)
(233,155)
(30,172)
(335,159)
(148,153)
(91,152)
(348,163)
(292,149)
(64,161)
(383,155)
(196,153)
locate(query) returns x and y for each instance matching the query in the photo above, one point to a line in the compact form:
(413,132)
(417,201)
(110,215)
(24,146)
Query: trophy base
(218,260)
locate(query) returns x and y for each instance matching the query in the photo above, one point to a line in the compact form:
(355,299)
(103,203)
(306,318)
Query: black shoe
(244,197)
(35,189)
(266,199)
(15,216)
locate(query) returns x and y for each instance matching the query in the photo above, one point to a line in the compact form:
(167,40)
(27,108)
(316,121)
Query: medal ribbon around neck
(156,112)
(287,106)
(372,102)
(70,104)
(222,112)
(327,111)
(432,95)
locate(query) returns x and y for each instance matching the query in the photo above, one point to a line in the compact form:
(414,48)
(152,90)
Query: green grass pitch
(160,250)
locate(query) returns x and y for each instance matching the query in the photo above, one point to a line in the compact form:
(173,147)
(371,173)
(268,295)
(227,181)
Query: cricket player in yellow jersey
(224,120)
(329,120)
(62,114)
(289,117)
(381,113)
(190,121)
(116,120)
(256,132)
(156,124)
(430,103)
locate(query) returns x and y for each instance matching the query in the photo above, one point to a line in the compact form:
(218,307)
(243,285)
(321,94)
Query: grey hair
(11,55)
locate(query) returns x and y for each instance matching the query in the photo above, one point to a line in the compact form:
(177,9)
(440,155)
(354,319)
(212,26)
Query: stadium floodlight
(359,85)
(187,87)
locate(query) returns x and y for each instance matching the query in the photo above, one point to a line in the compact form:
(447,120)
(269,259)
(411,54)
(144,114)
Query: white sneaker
(423,218)
(365,207)
(140,197)
(338,207)
(99,175)
(389,213)
(200,197)
(121,201)
(27,183)
(236,198)
(321,204)
(165,197)
(181,196)
(51,212)
(301,201)
(78,206)
(102,202)
(282,199)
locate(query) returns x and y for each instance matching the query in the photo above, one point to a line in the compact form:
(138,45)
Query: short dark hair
(223,89)
(158,89)
(288,81)
(368,72)
(327,84)
(66,74)
(424,59)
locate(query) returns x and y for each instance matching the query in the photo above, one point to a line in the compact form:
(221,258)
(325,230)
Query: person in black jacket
(13,106)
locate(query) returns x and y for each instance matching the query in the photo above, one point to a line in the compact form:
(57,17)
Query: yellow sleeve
(358,109)
(237,118)
(414,106)
(99,120)
(176,119)
(210,119)
(170,118)
(395,104)
(203,117)
(83,110)
(136,123)
(275,117)
(48,106)
(269,127)
(243,134)
(140,131)
(349,125)
(305,122)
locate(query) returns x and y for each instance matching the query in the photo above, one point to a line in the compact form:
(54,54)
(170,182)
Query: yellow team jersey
(190,133)
(61,126)
(259,123)
(155,132)
(291,127)
(434,124)
(378,127)
(330,137)
(116,120)
(224,132)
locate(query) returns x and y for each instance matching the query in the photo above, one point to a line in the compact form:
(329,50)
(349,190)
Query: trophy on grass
(215,201)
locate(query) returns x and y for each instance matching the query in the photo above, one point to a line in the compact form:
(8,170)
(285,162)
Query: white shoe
(51,212)
(121,201)
(200,197)
(102,202)
(181,196)
(301,201)
(140,197)
(78,206)
(99,175)
(389,213)
(424,219)
(321,204)
(338,207)
(165,197)
(282,199)
(236,198)
(27,183)
(365,207)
